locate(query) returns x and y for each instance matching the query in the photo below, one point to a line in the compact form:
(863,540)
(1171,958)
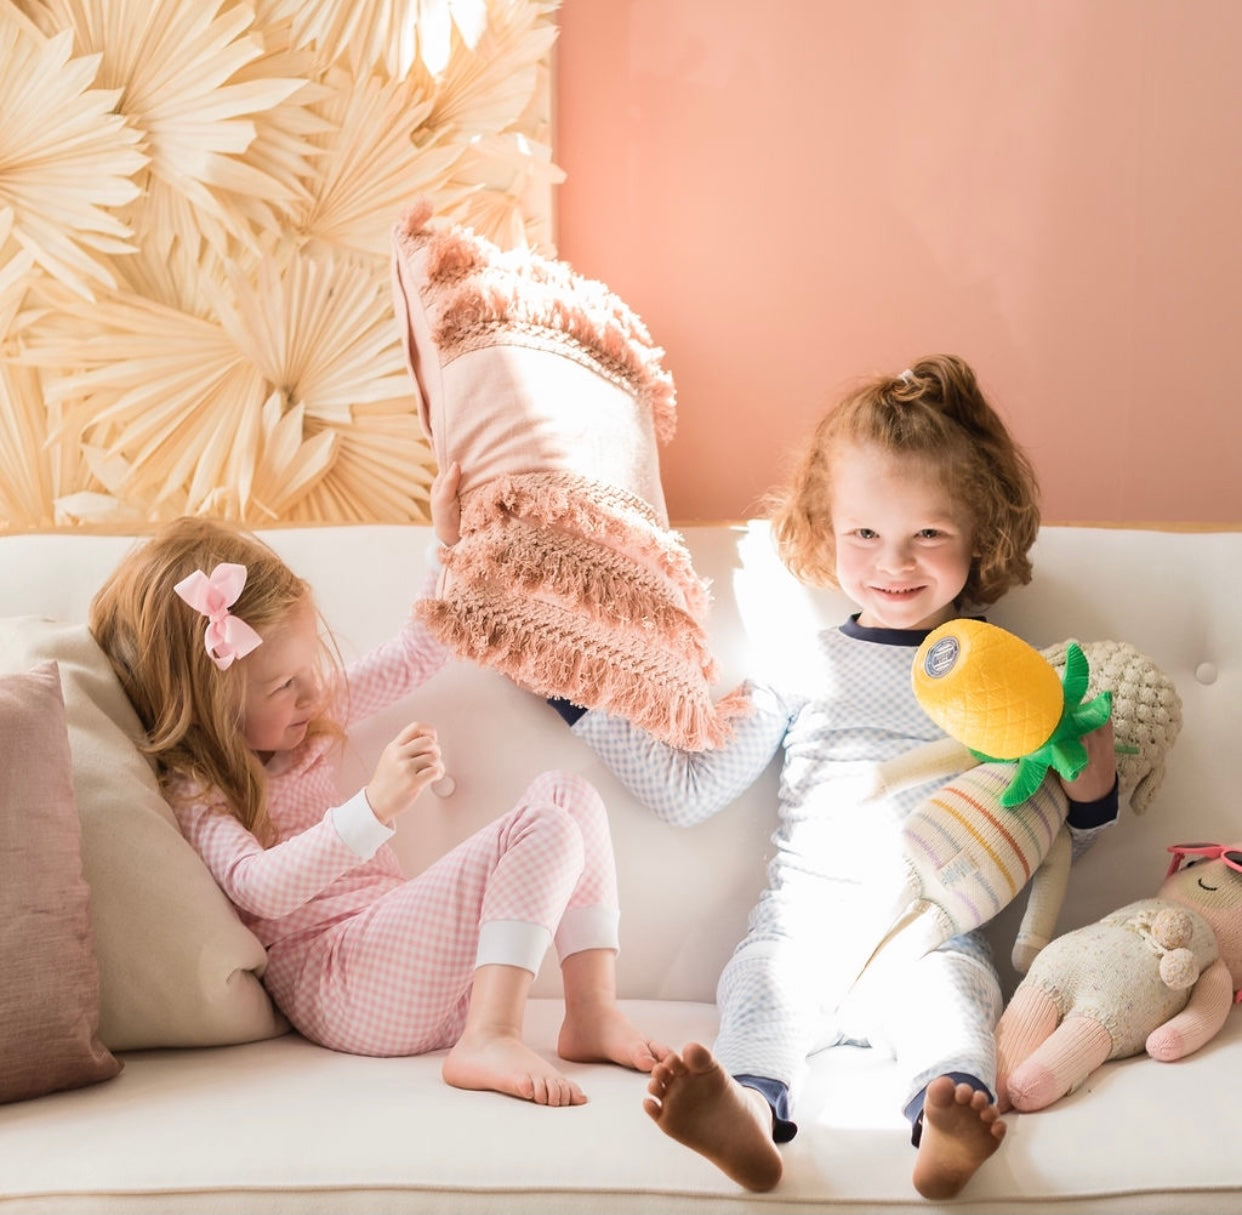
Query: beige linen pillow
(176,965)
(549,392)
(49,992)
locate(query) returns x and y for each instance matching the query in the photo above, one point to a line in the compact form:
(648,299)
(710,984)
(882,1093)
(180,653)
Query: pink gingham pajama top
(364,960)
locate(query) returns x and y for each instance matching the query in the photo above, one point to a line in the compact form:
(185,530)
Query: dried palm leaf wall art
(196,202)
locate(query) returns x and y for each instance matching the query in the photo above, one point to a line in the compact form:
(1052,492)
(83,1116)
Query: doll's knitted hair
(1147,712)
(550,394)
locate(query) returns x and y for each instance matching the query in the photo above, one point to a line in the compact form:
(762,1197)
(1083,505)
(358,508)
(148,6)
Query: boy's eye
(929,533)
(866,533)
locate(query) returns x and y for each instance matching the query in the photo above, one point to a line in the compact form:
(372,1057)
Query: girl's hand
(1096,779)
(406,767)
(446,506)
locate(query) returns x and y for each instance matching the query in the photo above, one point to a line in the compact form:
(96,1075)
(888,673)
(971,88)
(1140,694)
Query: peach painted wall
(799,192)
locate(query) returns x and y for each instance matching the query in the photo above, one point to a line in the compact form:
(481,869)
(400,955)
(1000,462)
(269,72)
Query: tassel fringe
(597,512)
(606,585)
(479,295)
(549,653)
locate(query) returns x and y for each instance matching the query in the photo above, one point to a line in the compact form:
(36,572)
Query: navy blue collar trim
(908,637)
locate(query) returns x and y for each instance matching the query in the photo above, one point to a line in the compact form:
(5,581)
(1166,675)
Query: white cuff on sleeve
(359,829)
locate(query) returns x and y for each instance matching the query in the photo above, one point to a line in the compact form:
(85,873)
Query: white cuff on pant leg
(513,943)
(592,927)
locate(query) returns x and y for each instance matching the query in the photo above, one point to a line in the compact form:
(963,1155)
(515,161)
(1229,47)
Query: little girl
(217,643)
(912,498)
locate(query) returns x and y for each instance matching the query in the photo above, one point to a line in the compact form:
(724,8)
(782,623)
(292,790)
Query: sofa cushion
(550,394)
(49,995)
(176,965)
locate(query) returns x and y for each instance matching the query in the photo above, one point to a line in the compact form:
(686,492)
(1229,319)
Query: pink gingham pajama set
(364,960)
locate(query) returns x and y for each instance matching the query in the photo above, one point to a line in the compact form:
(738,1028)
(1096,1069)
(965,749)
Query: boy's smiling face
(904,545)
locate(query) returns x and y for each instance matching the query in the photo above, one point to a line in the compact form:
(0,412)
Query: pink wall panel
(796,193)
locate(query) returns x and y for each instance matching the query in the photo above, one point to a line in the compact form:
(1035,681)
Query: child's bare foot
(961,1129)
(606,1035)
(695,1101)
(505,1064)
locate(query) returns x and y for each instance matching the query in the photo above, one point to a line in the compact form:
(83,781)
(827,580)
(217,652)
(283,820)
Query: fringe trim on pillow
(606,584)
(596,511)
(456,252)
(549,652)
(476,295)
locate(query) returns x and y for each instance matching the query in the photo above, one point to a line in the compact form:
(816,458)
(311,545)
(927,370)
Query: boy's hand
(446,506)
(406,767)
(1096,779)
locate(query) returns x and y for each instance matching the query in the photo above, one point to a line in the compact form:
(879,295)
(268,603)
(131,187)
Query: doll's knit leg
(1060,1064)
(1028,1020)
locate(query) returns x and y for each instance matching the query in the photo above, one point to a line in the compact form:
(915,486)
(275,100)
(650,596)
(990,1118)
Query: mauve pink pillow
(549,392)
(49,992)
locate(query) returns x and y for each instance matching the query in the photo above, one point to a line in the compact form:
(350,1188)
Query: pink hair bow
(227,637)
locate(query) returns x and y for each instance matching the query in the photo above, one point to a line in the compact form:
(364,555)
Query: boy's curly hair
(934,411)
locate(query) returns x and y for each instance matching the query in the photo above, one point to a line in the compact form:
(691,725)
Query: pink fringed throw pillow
(550,394)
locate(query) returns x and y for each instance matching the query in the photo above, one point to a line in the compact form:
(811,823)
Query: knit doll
(1158,975)
(967,855)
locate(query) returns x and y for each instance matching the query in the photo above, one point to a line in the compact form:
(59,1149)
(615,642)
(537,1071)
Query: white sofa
(280,1125)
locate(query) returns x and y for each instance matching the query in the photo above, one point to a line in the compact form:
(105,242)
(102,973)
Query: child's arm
(686,787)
(392,671)
(1093,797)
(414,655)
(273,882)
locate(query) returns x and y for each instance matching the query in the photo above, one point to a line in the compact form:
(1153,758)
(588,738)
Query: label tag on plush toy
(941,658)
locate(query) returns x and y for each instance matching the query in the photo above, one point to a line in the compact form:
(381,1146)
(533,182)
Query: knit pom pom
(1179,969)
(1172,928)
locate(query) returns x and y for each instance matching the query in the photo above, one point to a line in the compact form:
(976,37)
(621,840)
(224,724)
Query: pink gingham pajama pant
(394,978)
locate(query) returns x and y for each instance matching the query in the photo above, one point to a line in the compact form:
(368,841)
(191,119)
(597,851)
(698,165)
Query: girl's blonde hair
(190,709)
(934,411)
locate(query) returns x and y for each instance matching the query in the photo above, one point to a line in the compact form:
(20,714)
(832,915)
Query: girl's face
(904,546)
(282,684)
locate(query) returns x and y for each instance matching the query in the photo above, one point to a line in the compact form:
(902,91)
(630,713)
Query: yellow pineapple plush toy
(1013,713)
(1002,698)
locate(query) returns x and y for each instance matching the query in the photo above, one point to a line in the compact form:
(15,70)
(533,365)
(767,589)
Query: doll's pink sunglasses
(1208,852)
